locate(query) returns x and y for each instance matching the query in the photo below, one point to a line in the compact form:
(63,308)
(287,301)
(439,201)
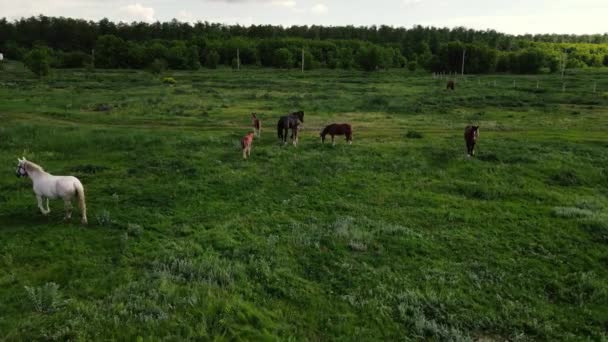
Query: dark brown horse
(257,125)
(338,129)
(471,133)
(450,85)
(287,122)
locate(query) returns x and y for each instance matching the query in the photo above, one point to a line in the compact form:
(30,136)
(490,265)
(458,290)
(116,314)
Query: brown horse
(450,85)
(246,143)
(257,125)
(471,133)
(287,122)
(338,129)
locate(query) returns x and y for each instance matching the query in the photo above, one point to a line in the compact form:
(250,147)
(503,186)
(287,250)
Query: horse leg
(294,137)
(285,132)
(41,206)
(473,149)
(333,142)
(68,208)
(244,153)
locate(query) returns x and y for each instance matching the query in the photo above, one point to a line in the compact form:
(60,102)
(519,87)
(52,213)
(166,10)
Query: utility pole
(238,59)
(564,58)
(463,56)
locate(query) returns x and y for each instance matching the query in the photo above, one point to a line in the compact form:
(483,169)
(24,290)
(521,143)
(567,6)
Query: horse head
(21,170)
(300,116)
(475,132)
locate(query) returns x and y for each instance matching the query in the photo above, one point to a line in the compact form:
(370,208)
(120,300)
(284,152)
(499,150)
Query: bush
(413,135)
(45,299)
(76,59)
(157,66)
(38,61)
(571,212)
(412,66)
(309,61)
(283,58)
(169,80)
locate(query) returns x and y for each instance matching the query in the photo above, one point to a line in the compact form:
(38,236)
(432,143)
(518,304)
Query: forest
(57,42)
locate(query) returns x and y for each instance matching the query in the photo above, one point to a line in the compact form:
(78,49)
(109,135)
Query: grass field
(397,237)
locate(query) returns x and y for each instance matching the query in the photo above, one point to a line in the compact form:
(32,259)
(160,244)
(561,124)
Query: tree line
(73,43)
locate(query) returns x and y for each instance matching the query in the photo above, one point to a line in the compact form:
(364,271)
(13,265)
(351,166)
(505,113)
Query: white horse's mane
(30,166)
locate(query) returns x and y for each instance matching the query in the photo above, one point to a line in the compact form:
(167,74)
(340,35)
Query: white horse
(48,186)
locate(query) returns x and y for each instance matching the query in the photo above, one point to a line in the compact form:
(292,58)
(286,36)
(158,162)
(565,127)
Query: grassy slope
(390,238)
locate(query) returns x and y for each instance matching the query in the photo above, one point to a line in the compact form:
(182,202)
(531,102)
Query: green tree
(38,61)
(309,61)
(345,58)
(283,58)
(530,61)
(111,52)
(412,66)
(212,59)
(157,67)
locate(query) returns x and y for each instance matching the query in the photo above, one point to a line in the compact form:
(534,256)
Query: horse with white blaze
(47,186)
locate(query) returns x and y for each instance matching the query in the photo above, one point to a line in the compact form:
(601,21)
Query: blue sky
(515,16)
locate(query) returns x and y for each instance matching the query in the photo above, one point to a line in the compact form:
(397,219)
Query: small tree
(309,61)
(283,58)
(412,65)
(158,66)
(38,61)
(345,58)
(212,59)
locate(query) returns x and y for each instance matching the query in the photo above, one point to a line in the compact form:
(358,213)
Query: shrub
(571,212)
(283,58)
(565,178)
(413,135)
(157,66)
(38,61)
(46,298)
(412,66)
(169,80)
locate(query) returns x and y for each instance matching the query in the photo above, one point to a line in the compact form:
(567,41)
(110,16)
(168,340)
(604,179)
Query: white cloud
(411,2)
(185,16)
(284,3)
(137,12)
(319,9)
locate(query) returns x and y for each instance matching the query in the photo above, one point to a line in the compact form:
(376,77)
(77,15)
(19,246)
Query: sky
(509,16)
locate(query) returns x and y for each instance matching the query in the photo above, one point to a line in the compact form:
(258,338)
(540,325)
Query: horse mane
(30,166)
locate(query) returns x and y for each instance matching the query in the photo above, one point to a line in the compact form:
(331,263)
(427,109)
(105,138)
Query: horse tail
(81,201)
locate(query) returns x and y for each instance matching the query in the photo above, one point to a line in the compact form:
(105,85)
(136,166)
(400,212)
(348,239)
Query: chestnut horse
(257,125)
(246,143)
(338,129)
(287,122)
(471,133)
